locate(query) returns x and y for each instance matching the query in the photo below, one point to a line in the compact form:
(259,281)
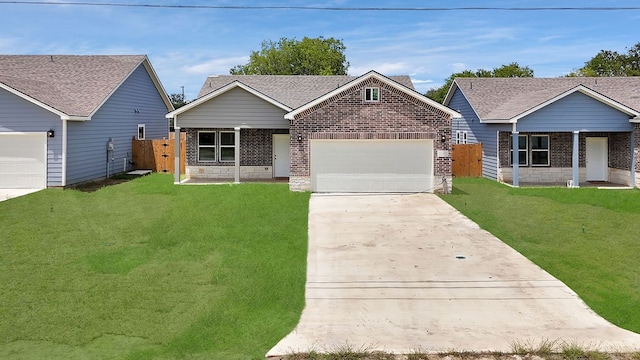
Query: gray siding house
(69,119)
(324,133)
(563,130)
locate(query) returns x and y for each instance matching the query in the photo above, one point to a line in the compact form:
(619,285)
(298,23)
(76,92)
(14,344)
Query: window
(372,94)
(523,150)
(461,137)
(207,146)
(540,150)
(141,132)
(227,146)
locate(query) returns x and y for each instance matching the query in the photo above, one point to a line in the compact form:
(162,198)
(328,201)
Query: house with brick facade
(568,131)
(370,133)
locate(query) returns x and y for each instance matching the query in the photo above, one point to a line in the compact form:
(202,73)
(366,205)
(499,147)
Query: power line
(323,8)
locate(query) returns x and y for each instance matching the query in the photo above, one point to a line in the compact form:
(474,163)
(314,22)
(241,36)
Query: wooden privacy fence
(467,160)
(157,155)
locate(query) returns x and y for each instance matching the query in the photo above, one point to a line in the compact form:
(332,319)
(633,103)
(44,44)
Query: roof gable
(583,90)
(372,74)
(72,86)
(212,95)
(501,100)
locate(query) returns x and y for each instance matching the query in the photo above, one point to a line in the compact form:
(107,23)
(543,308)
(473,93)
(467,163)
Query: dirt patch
(92,186)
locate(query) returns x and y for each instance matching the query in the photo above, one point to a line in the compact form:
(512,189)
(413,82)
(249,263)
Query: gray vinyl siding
(20,115)
(233,108)
(486,134)
(117,119)
(576,112)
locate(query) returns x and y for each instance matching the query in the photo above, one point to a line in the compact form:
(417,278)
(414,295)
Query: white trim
(372,74)
(214,146)
(64,153)
(222,90)
(144,132)
(371,94)
(220,145)
(547,150)
(584,90)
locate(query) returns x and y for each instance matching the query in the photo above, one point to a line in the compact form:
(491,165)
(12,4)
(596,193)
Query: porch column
(633,159)
(176,172)
(516,158)
(237,155)
(575,159)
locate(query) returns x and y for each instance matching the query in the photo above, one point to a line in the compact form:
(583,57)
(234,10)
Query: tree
(510,70)
(310,56)
(612,63)
(178,100)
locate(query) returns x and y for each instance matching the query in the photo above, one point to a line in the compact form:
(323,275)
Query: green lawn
(588,238)
(149,270)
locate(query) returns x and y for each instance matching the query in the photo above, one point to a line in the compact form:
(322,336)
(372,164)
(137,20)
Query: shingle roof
(290,90)
(75,85)
(505,98)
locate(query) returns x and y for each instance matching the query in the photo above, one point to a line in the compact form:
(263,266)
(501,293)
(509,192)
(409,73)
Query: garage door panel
(23,162)
(371,182)
(371,165)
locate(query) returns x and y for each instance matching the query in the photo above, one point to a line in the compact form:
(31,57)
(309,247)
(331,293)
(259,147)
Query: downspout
(575,159)
(64,153)
(516,156)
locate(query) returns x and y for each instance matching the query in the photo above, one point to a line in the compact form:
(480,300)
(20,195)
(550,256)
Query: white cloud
(215,66)
(458,67)
(386,68)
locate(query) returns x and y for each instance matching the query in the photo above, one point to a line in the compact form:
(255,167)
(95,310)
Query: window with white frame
(141,132)
(523,150)
(206,146)
(227,146)
(539,150)
(372,94)
(461,137)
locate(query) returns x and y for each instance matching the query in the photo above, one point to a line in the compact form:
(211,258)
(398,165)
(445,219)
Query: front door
(280,155)
(597,159)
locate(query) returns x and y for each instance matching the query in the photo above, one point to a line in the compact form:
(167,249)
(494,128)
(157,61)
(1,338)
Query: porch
(589,159)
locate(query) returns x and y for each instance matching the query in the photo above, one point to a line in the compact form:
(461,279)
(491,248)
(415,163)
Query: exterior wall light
(299,137)
(51,133)
(443,137)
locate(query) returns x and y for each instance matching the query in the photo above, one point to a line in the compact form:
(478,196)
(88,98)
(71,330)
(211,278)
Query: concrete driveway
(6,194)
(400,273)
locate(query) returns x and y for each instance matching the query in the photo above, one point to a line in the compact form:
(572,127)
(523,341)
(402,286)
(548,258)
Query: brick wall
(620,151)
(347,116)
(256,147)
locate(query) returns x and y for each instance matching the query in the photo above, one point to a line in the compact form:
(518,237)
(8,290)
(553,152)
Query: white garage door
(23,160)
(371,165)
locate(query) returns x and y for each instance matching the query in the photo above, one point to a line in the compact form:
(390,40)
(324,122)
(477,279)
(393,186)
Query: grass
(149,270)
(588,238)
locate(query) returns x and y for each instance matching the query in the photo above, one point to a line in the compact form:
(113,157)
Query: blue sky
(187,45)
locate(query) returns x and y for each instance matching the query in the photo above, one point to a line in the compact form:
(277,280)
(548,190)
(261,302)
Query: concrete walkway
(401,273)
